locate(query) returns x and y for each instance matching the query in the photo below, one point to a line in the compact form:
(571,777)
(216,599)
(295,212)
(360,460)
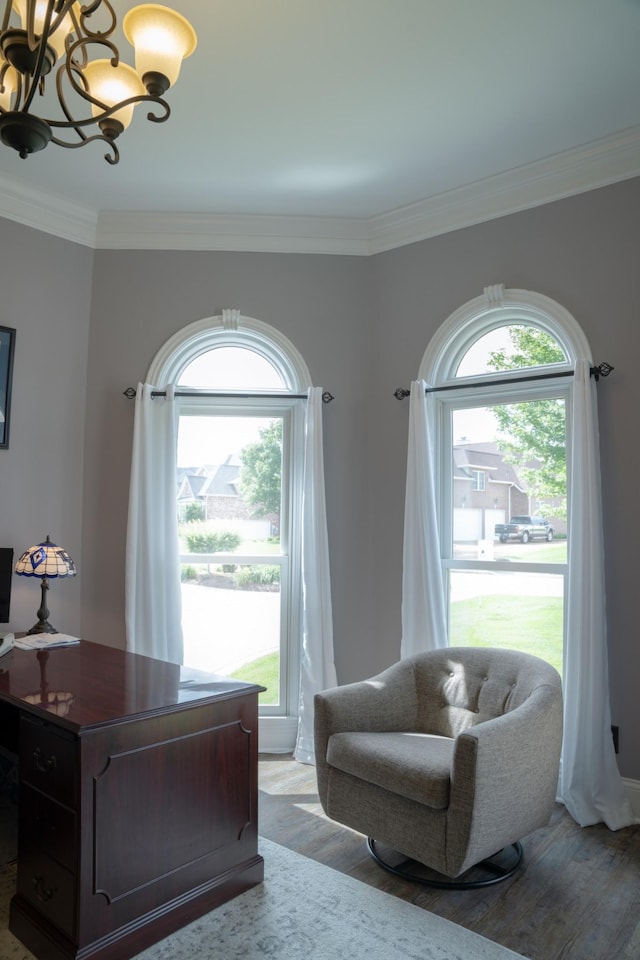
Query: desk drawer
(48,760)
(48,827)
(49,888)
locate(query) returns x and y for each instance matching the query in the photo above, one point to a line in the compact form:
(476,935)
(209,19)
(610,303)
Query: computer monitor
(6,573)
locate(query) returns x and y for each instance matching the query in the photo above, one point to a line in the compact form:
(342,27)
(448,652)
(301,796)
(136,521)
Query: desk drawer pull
(43,893)
(44,766)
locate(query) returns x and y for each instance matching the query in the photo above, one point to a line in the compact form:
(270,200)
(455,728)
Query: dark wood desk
(138,797)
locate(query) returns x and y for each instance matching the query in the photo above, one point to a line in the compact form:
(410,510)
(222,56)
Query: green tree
(532,432)
(261,471)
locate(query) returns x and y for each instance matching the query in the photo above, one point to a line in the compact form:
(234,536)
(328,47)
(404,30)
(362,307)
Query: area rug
(302,911)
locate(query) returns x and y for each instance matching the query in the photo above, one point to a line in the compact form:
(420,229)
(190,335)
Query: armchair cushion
(414,765)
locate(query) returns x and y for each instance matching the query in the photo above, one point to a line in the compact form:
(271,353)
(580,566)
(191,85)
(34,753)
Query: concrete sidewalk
(224,629)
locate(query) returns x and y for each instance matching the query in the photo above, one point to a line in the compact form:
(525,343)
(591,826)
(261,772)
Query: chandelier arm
(88,10)
(82,43)
(142,98)
(64,6)
(81,143)
(7,14)
(67,69)
(161,103)
(73,69)
(42,49)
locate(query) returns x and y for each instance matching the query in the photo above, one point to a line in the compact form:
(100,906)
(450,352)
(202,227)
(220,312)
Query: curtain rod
(327,397)
(601,370)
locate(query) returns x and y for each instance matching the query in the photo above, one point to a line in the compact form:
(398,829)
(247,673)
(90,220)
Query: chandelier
(95,91)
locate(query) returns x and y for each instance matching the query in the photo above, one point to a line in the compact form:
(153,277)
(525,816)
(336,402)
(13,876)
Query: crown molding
(47,212)
(566,174)
(593,165)
(260,234)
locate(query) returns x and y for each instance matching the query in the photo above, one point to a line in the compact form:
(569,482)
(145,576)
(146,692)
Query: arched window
(241,391)
(502,368)
(503,527)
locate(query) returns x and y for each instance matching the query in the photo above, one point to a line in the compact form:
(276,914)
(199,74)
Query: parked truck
(524,529)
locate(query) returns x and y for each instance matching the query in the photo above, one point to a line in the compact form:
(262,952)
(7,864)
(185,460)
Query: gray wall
(45,294)
(583,252)
(322,305)
(362,325)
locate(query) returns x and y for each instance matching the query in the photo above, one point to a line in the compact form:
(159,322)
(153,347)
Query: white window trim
(478,480)
(497,307)
(493,309)
(232,329)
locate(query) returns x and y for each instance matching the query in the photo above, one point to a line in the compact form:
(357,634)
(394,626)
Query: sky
(210,440)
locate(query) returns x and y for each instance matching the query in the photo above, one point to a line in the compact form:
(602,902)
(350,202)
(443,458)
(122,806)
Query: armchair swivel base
(500,866)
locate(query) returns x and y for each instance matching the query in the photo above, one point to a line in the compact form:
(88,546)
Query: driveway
(224,629)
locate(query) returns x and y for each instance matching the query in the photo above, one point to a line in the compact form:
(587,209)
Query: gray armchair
(447,757)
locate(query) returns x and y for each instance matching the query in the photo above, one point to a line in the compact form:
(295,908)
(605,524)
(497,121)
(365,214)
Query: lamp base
(42,626)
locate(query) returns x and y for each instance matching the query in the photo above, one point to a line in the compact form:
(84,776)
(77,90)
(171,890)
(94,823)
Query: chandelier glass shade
(91,92)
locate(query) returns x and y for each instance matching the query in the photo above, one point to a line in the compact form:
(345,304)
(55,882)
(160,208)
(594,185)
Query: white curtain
(153,600)
(590,784)
(317,670)
(424,622)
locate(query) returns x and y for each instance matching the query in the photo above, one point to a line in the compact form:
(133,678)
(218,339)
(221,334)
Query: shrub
(193,512)
(258,576)
(188,572)
(200,538)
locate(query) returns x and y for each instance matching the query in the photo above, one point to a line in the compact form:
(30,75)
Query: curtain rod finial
(601,370)
(129,393)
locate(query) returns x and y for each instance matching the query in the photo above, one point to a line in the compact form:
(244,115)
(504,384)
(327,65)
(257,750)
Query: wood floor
(577,897)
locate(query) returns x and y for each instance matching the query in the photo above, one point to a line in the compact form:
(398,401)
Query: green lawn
(260,548)
(532,624)
(266,672)
(554,552)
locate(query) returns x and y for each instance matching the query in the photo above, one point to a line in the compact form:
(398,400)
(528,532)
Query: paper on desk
(44,641)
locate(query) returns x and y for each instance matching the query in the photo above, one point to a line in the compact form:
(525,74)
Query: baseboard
(632,793)
(277,734)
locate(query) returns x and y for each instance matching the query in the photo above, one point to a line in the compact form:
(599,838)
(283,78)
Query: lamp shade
(9,84)
(112,85)
(45,560)
(58,37)
(161,38)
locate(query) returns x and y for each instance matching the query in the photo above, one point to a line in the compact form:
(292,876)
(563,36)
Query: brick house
(487,490)
(217,488)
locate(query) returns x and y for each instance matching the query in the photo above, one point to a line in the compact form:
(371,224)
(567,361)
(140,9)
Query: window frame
(232,329)
(478,480)
(498,307)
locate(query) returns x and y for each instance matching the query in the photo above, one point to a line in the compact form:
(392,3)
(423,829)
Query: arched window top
(514,346)
(232,368)
(230,352)
(482,338)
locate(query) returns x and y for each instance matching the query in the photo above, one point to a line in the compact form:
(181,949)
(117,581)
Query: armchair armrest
(504,778)
(386,702)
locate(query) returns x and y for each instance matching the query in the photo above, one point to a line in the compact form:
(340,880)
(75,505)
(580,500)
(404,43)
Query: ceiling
(373,122)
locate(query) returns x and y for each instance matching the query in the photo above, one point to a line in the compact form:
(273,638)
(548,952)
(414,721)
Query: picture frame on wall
(7,348)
